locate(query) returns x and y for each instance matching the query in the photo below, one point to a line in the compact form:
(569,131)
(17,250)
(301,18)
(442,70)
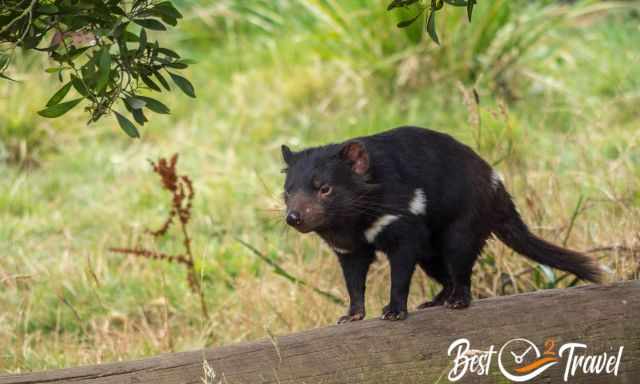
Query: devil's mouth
(303,229)
(308,227)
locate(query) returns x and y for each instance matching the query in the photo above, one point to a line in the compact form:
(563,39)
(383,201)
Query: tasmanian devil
(420,197)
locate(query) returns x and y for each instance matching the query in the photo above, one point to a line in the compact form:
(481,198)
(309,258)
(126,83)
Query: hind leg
(462,244)
(438,271)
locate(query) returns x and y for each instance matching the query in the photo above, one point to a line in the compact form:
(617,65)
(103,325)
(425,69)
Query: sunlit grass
(570,130)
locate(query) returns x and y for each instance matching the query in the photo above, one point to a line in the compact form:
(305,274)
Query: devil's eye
(325,190)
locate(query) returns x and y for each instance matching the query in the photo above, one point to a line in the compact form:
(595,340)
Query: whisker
(379,208)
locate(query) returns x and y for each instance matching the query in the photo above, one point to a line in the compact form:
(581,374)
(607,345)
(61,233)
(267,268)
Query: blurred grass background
(559,89)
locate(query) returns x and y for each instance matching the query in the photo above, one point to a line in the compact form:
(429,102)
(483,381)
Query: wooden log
(412,351)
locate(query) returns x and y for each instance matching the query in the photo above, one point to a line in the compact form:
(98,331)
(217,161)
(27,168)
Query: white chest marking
(496,179)
(341,251)
(418,205)
(374,230)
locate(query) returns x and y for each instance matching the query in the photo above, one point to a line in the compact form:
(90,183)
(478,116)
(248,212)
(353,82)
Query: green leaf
(155,105)
(167,8)
(121,29)
(152,24)
(143,40)
(118,11)
(168,52)
(74,53)
(400,3)
(176,64)
(4,61)
(104,67)
(168,19)
(147,80)
(162,80)
(184,84)
(79,86)
(139,116)
(127,126)
(130,37)
(431,27)
(58,110)
(135,102)
(457,3)
(58,96)
(3,76)
(470,5)
(61,58)
(406,23)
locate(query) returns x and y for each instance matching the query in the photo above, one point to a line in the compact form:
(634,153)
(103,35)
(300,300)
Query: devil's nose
(293,218)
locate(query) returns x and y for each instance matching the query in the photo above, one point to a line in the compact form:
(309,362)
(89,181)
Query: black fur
(340,190)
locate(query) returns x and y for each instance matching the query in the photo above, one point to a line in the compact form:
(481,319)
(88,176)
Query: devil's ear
(287,155)
(356,154)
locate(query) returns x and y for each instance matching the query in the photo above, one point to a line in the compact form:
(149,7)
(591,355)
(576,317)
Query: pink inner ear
(356,153)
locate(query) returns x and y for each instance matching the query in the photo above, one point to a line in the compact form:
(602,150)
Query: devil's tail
(512,231)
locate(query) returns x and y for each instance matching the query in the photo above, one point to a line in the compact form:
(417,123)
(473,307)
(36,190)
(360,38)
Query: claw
(457,303)
(439,299)
(393,315)
(350,318)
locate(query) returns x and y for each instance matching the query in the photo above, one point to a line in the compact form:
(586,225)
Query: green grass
(561,120)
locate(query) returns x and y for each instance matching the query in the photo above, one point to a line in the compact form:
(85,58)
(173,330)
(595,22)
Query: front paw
(350,318)
(457,303)
(438,300)
(460,298)
(393,314)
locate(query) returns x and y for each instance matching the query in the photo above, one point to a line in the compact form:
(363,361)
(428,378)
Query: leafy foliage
(102,50)
(104,53)
(431,9)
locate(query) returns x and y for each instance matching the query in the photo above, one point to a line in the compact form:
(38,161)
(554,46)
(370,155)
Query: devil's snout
(304,213)
(294,219)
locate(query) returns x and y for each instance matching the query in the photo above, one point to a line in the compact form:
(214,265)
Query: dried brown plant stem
(181,189)
(193,275)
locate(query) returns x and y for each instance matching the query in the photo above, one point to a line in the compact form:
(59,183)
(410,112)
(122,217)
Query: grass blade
(282,272)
